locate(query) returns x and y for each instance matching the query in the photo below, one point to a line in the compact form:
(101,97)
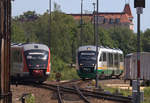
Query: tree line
(65,38)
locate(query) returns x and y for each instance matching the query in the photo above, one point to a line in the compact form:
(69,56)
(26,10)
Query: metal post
(81,32)
(49,39)
(138,58)
(94,24)
(97,47)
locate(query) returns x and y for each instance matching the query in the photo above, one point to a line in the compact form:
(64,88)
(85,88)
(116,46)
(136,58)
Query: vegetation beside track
(30,99)
(67,72)
(147,95)
(129,92)
(117,90)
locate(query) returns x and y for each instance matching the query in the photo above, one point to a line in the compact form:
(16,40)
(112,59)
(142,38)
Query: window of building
(117,20)
(105,20)
(111,21)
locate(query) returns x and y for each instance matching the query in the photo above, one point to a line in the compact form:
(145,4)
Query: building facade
(110,19)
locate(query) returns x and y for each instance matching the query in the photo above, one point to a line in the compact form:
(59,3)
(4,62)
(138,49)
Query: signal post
(139,5)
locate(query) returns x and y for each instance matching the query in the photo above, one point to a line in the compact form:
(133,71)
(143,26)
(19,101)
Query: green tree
(145,38)
(124,39)
(18,34)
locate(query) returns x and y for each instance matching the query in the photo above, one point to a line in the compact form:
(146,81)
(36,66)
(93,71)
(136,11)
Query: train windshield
(87,56)
(36,57)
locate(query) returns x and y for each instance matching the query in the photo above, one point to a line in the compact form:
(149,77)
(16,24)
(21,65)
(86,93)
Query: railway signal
(139,5)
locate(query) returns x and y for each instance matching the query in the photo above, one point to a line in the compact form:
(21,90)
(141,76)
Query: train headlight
(93,64)
(81,64)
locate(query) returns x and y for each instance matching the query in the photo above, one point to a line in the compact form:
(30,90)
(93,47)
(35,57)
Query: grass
(116,90)
(128,92)
(147,95)
(30,99)
(66,74)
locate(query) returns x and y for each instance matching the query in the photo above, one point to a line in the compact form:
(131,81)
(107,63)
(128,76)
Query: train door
(110,63)
(107,59)
(116,63)
(104,64)
(121,58)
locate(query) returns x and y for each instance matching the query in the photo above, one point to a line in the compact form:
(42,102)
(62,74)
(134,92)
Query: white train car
(110,62)
(131,66)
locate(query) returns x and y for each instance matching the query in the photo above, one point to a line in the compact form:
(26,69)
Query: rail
(59,95)
(81,94)
(99,95)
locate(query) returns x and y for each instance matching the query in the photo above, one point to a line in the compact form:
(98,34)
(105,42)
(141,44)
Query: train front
(37,62)
(86,63)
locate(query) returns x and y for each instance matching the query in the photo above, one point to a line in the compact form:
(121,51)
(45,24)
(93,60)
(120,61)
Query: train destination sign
(139,3)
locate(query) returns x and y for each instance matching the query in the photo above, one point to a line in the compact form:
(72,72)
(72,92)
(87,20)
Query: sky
(73,6)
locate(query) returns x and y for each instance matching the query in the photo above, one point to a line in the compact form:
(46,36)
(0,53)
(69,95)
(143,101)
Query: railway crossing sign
(139,3)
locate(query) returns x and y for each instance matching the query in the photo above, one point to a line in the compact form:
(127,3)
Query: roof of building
(124,17)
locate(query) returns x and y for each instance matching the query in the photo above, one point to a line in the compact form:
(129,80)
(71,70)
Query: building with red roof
(111,19)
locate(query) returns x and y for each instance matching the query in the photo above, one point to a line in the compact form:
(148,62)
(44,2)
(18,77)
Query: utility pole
(5,31)
(81,23)
(97,47)
(139,5)
(49,39)
(94,24)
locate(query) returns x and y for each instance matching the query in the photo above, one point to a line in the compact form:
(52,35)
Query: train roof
(29,46)
(100,48)
(134,53)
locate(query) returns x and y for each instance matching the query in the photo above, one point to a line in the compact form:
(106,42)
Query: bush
(30,99)
(67,72)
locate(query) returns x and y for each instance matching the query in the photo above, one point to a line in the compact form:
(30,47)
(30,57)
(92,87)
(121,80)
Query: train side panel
(16,62)
(110,62)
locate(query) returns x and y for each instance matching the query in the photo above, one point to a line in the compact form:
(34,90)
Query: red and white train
(30,62)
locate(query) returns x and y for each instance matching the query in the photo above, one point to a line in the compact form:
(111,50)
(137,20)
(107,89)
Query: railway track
(83,93)
(59,95)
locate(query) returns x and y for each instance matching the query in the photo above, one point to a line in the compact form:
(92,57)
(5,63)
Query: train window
(101,57)
(116,60)
(110,56)
(104,56)
(121,58)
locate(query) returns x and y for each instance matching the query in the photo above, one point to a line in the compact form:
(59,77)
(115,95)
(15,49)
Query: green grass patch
(67,72)
(117,90)
(147,95)
(128,92)
(30,99)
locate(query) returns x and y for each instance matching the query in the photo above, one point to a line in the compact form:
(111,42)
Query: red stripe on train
(25,68)
(48,66)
